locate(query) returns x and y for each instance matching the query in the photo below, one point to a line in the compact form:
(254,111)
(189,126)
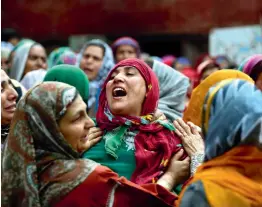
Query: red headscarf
(150,102)
(154,144)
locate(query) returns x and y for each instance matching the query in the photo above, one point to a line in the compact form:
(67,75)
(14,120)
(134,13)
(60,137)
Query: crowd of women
(110,126)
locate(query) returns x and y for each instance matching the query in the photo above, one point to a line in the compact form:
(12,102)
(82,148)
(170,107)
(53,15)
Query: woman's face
(124,52)
(8,99)
(75,125)
(36,59)
(92,61)
(126,91)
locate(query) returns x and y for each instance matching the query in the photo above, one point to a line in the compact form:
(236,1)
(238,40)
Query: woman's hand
(191,139)
(177,172)
(94,136)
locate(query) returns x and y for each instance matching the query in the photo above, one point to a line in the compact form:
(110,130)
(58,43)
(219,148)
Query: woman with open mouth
(136,144)
(96,60)
(42,164)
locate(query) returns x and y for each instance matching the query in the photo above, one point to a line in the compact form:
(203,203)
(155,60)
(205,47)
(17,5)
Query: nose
(12,94)
(89,123)
(40,63)
(118,78)
(89,60)
(126,55)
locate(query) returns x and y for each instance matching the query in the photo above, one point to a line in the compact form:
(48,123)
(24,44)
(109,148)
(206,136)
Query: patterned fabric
(19,60)
(241,119)
(4,134)
(152,137)
(125,163)
(39,167)
(195,161)
(232,118)
(71,75)
(61,55)
(107,65)
(194,109)
(126,41)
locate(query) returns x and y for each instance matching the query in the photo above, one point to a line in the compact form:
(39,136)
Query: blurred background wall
(179,27)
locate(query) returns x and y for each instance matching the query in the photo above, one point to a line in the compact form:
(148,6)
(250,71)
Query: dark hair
(257,69)
(9,33)
(210,66)
(98,45)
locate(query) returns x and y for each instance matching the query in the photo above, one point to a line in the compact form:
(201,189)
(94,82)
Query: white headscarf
(19,61)
(33,78)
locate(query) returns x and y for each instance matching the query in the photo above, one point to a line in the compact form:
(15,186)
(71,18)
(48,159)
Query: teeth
(119,92)
(118,89)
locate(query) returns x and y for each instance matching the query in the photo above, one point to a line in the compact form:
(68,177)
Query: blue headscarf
(232,116)
(107,65)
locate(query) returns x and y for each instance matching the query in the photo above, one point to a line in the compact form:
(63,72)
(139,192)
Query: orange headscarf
(194,109)
(240,177)
(231,174)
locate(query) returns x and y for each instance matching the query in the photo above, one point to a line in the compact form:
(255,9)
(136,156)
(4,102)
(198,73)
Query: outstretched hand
(191,139)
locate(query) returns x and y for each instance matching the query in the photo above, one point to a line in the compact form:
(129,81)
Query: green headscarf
(71,75)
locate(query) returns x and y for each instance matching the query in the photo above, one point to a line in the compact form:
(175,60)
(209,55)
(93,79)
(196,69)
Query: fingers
(94,141)
(178,155)
(179,130)
(187,159)
(88,144)
(94,129)
(185,127)
(182,128)
(193,128)
(94,135)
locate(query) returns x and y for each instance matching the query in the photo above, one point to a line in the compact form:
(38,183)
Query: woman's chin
(119,111)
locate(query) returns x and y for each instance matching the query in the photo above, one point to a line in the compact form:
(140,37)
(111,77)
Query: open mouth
(119,92)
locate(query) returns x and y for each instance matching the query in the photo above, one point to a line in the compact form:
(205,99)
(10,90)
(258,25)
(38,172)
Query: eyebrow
(126,68)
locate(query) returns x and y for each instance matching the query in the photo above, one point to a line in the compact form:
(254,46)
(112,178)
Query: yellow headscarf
(235,177)
(194,109)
